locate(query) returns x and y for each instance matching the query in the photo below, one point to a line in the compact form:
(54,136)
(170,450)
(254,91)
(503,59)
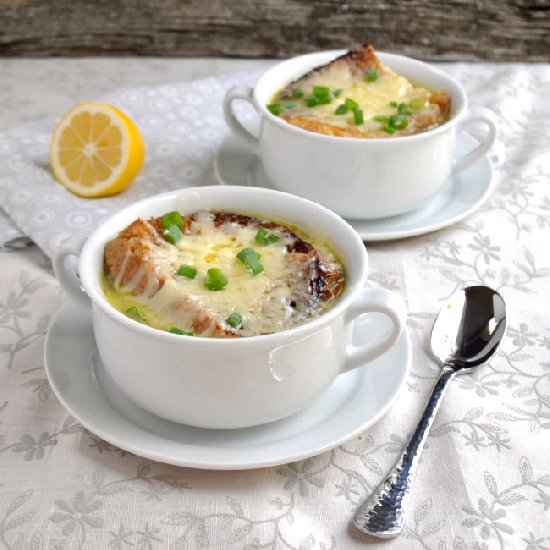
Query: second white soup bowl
(359,178)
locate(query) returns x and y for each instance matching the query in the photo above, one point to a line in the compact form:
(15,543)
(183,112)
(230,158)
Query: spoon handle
(383,513)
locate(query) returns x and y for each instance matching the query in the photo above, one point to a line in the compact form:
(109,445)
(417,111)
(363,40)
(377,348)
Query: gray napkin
(182,125)
(11,238)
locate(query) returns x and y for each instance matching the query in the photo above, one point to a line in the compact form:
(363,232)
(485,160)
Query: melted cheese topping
(373,97)
(263,300)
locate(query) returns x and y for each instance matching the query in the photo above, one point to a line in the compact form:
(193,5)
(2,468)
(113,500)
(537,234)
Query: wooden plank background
(501,30)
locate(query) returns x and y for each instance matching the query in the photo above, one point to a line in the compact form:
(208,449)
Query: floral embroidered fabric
(484,480)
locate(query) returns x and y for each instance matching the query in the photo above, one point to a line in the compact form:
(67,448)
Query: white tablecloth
(484,480)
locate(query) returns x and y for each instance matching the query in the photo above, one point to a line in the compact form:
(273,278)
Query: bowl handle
(375,300)
(245,93)
(68,278)
(476,115)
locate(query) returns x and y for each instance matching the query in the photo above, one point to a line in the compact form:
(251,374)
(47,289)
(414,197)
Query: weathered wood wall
(504,30)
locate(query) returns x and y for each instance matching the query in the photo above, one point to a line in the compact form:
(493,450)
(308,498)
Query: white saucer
(461,195)
(355,401)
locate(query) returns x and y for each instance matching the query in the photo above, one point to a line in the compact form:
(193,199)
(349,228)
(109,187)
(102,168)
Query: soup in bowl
(356,95)
(230,380)
(219,274)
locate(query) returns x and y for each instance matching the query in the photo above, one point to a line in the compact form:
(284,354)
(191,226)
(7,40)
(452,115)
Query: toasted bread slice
(128,259)
(355,61)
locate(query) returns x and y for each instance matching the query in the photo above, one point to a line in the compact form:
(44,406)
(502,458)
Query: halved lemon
(96,150)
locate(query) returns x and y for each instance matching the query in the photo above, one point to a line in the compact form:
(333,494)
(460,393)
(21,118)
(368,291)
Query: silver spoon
(465,334)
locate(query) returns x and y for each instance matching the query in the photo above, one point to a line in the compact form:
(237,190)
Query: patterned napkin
(10,236)
(182,125)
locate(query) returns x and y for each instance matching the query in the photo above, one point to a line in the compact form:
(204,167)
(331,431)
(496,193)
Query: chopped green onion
(398,122)
(337,92)
(234,320)
(172,234)
(394,122)
(358,116)
(135,314)
(298,93)
(275,108)
(403,109)
(341,109)
(325,99)
(350,104)
(260,236)
(418,103)
(371,75)
(311,101)
(273,238)
(188,271)
(215,279)
(264,237)
(251,259)
(176,330)
(321,95)
(289,105)
(172,218)
(320,91)
(393,104)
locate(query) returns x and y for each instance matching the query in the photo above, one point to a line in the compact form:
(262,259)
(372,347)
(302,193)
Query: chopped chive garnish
(358,116)
(371,75)
(298,93)
(403,109)
(418,103)
(275,108)
(251,259)
(135,314)
(172,218)
(265,237)
(350,104)
(341,109)
(176,330)
(325,99)
(261,236)
(398,122)
(381,118)
(289,105)
(234,320)
(389,129)
(188,271)
(215,279)
(320,91)
(311,101)
(172,234)
(393,104)
(337,92)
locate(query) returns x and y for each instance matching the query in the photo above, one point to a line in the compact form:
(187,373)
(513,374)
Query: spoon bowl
(469,328)
(466,333)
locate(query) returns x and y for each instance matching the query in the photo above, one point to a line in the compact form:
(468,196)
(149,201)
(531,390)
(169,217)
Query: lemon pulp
(96,150)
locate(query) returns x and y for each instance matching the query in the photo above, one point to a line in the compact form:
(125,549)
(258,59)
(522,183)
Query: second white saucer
(461,195)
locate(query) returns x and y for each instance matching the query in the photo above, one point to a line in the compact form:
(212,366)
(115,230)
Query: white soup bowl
(359,178)
(231,382)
